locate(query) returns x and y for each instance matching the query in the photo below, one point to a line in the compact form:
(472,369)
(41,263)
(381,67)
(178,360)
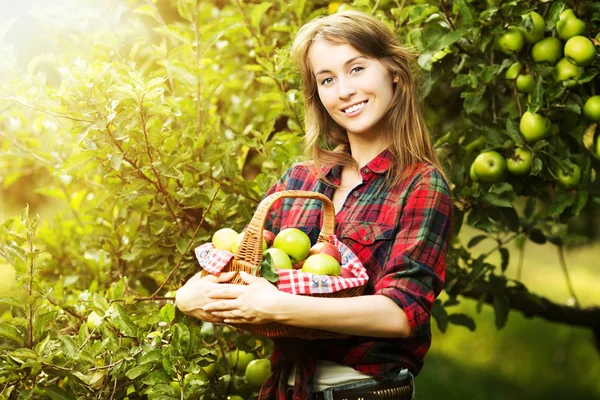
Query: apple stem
(563,265)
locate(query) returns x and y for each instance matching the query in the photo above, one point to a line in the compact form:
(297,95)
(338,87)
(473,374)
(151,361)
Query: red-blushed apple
(269,237)
(326,248)
(298,265)
(347,274)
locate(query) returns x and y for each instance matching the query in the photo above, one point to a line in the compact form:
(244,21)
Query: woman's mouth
(355,109)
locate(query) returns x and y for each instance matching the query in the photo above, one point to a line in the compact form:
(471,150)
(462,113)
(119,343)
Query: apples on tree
(326,248)
(534,127)
(564,70)
(223,239)
(513,71)
(239,359)
(511,41)
(519,163)
(472,173)
(568,179)
(524,83)
(569,25)
(591,109)
(539,26)
(547,50)
(257,372)
(580,51)
(489,167)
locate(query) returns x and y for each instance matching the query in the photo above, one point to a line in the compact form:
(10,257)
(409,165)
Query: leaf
(512,131)
(440,315)
(138,371)
(501,306)
(258,12)
(180,339)
(476,240)
(151,357)
(76,162)
(25,214)
(496,200)
(462,320)
(452,37)
(121,320)
(68,346)
(465,13)
(554,13)
(537,93)
(505,257)
(267,270)
(12,333)
(156,377)
(167,313)
(530,207)
(563,201)
(13,302)
(580,201)
(57,393)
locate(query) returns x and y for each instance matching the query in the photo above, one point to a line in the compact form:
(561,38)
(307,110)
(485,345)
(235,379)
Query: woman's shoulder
(427,174)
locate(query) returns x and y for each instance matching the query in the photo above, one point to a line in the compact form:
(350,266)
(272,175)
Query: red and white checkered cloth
(292,280)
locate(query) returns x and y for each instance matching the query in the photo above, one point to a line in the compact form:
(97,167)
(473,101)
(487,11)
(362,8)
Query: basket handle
(250,249)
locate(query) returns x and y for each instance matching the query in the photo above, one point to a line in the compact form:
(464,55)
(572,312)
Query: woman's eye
(357,68)
(325,81)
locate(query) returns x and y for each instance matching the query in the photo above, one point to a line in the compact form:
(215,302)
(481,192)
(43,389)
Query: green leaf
(476,240)
(496,200)
(167,313)
(13,302)
(121,319)
(530,207)
(258,12)
(151,357)
(138,371)
(100,302)
(501,305)
(537,93)
(267,270)
(58,393)
(76,162)
(580,201)
(181,339)
(25,214)
(10,332)
(505,257)
(68,346)
(563,201)
(554,13)
(512,131)
(440,315)
(452,37)
(463,9)
(462,320)
(156,377)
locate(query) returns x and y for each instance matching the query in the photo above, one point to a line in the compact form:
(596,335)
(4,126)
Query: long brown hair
(326,141)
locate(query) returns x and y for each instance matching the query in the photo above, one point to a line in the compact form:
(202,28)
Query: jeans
(403,374)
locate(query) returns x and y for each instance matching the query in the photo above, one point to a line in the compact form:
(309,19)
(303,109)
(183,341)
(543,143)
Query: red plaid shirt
(401,235)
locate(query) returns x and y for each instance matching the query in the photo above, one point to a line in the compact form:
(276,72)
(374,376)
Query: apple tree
(156,123)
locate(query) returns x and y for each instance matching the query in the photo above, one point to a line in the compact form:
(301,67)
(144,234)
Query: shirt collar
(379,165)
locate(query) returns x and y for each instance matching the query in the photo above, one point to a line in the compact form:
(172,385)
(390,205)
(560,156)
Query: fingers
(226,292)
(226,276)
(219,306)
(246,277)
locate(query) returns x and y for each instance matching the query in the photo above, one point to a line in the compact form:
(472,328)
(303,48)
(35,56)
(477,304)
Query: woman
(371,155)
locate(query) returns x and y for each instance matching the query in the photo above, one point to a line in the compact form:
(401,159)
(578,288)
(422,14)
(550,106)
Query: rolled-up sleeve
(415,270)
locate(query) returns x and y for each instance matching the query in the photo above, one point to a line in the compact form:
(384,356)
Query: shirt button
(356,193)
(366,170)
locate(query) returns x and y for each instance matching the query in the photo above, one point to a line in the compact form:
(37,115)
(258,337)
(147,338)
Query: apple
(569,179)
(347,274)
(223,239)
(257,372)
(580,51)
(294,242)
(93,320)
(489,167)
(198,378)
(280,258)
(513,71)
(326,248)
(210,370)
(591,109)
(235,396)
(269,237)
(569,25)
(564,70)
(524,83)
(534,127)
(238,241)
(298,265)
(472,174)
(322,264)
(539,26)
(511,41)
(547,50)
(239,359)
(519,163)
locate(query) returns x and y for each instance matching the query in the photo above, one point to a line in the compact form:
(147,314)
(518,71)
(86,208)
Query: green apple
(547,50)
(534,127)
(257,372)
(580,51)
(539,26)
(564,70)
(196,378)
(321,264)
(519,163)
(568,179)
(93,320)
(472,173)
(524,83)
(239,359)
(280,258)
(511,41)
(569,25)
(591,109)
(210,370)
(235,396)
(223,239)
(513,71)
(294,242)
(489,167)
(238,241)
(595,149)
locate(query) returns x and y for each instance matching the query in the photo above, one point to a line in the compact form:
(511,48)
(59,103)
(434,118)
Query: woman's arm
(260,302)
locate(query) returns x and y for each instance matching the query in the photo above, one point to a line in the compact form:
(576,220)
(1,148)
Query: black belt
(401,390)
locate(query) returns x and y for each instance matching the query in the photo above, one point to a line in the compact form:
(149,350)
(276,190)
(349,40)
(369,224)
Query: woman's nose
(345,89)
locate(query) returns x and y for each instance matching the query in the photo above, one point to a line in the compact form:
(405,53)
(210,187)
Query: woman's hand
(192,296)
(251,304)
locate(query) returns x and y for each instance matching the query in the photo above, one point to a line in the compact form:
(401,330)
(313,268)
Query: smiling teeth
(355,108)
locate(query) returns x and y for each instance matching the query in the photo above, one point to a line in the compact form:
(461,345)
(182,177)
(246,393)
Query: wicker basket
(249,257)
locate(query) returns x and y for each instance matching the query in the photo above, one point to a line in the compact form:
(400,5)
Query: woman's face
(355,90)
